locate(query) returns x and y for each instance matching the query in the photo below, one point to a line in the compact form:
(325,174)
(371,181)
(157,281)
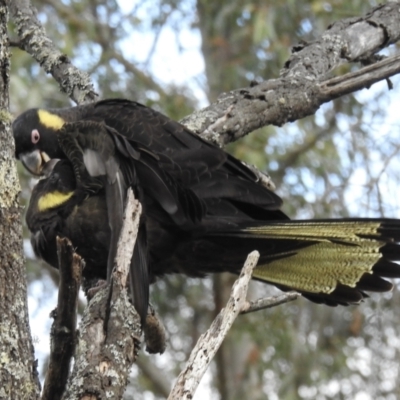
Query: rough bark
(110,329)
(18,374)
(63,330)
(33,39)
(299,91)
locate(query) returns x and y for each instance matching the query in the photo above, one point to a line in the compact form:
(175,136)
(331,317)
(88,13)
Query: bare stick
(63,330)
(108,339)
(127,239)
(269,302)
(209,342)
(363,78)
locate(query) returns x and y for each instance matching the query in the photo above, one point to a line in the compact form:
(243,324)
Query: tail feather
(328,261)
(342,295)
(387,269)
(374,283)
(391,251)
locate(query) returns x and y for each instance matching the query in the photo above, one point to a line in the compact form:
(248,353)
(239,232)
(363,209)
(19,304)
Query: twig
(209,342)
(63,330)
(269,302)
(363,78)
(109,339)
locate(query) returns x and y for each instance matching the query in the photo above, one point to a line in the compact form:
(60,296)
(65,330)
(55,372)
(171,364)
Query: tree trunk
(18,374)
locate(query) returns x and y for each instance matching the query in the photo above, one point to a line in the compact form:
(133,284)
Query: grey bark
(110,330)
(33,39)
(297,92)
(209,343)
(18,373)
(268,302)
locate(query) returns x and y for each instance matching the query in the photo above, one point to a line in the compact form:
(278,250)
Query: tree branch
(63,330)
(208,343)
(361,79)
(110,329)
(33,39)
(269,302)
(299,91)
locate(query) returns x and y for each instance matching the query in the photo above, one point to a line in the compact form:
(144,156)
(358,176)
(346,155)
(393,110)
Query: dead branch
(208,343)
(63,330)
(269,302)
(364,78)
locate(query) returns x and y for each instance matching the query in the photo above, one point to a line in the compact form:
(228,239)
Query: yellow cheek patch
(50,120)
(54,199)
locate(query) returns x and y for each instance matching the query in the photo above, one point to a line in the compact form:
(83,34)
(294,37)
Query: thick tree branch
(110,329)
(209,343)
(347,40)
(33,39)
(63,330)
(299,91)
(364,78)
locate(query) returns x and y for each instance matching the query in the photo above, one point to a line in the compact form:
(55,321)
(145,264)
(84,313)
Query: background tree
(340,162)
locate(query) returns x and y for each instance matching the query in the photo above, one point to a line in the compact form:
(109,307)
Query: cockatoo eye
(35,136)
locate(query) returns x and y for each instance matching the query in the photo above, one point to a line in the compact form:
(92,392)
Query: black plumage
(330,261)
(174,173)
(203,209)
(57,208)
